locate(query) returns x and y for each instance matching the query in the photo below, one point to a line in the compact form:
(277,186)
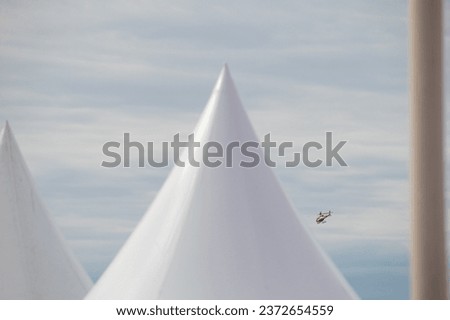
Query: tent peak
(226,67)
(36,262)
(225,76)
(5,132)
(225,83)
(223,108)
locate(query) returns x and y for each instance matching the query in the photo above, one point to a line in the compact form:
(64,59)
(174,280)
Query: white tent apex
(225,91)
(224,108)
(225,67)
(6,138)
(6,131)
(225,80)
(36,262)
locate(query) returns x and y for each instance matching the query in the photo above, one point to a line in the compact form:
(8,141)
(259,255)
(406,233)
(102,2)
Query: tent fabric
(36,263)
(221,233)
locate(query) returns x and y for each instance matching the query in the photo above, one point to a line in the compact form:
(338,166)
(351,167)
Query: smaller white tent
(221,233)
(35,261)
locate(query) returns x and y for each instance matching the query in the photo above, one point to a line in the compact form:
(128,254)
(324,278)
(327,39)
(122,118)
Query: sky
(76,74)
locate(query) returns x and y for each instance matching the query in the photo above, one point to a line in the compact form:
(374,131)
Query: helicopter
(322,216)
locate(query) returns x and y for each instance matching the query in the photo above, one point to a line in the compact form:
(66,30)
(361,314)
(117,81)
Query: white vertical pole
(428,260)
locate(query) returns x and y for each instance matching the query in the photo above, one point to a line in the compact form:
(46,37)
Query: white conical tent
(35,263)
(221,233)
